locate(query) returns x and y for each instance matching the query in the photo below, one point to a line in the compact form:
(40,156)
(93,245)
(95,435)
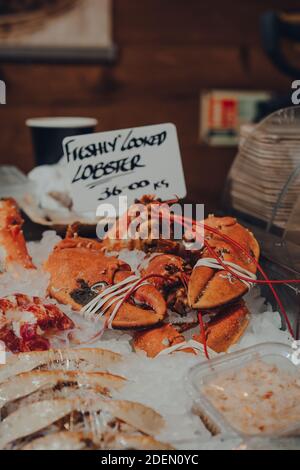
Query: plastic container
(206,374)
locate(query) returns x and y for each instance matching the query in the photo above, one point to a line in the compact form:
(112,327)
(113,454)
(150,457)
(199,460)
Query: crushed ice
(18,280)
(40,251)
(32,282)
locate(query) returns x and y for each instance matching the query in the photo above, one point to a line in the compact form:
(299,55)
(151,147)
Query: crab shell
(76,264)
(12,243)
(210,288)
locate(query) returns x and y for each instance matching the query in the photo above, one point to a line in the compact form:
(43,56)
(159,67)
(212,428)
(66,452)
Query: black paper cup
(48,134)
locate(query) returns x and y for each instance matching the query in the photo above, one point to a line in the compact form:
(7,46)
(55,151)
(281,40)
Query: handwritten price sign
(128,162)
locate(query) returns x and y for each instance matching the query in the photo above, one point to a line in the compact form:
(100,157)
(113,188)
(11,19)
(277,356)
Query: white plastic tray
(200,375)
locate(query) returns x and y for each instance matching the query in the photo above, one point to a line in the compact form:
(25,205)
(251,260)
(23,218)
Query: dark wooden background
(170,50)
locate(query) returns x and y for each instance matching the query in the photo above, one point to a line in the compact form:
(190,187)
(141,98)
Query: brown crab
(77,264)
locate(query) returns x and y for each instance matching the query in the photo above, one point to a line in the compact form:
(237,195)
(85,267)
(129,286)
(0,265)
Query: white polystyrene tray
(199,375)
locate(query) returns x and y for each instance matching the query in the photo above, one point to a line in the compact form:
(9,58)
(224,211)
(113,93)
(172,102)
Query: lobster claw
(172,280)
(153,341)
(226,328)
(138,229)
(12,242)
(211,286)
(149,309)
(209,289)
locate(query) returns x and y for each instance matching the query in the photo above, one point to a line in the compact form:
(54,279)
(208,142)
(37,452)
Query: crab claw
(152,342)
(147,309)
(13,246)
(226,328)
(173,279)
(211,288)
(150,310)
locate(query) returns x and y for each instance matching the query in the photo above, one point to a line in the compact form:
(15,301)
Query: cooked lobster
(12,243)
(197,281)
(85,276)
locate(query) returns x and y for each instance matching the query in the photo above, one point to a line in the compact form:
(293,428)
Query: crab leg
(12,243)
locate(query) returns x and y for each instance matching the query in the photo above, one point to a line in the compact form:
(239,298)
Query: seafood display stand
(104,385)
(140,342)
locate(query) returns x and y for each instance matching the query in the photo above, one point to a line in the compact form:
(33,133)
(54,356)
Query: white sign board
(129,162)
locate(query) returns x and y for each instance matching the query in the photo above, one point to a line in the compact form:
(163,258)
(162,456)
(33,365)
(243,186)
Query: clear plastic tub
(254,392)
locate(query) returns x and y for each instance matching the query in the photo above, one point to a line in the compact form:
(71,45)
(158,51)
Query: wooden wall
(170,50)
